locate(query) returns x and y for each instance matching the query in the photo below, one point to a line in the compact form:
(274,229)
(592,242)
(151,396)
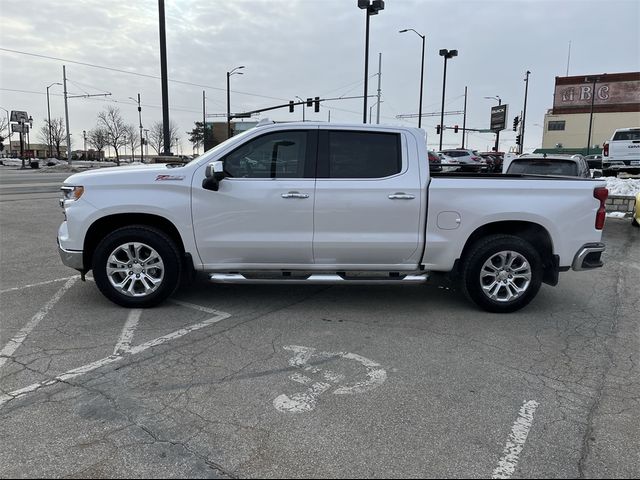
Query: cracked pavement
(201,405)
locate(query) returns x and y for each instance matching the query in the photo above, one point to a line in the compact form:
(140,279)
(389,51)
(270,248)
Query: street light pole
(84,136)
(524,112)
(447,54)
(49,116)
(303,105)
(421,74)
(232,72)
(371,8)
(593,79)
(140,121)
(498,132)
(164,80)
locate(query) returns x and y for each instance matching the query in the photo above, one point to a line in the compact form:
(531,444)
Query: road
(29,183)
(231,381)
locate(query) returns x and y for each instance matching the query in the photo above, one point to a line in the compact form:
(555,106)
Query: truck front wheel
(137,266)
(502,273)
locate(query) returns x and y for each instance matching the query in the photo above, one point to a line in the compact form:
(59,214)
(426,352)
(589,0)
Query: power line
(144,75)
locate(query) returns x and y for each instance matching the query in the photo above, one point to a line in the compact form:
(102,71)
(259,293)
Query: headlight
(71,193)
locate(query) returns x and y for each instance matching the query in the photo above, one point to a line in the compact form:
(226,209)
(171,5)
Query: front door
(262,215)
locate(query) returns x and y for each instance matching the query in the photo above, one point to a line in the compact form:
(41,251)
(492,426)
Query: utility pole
(141,139)
(66,112)
(593,79)
(379,89)
(524,112)
(165,84)
(204,120)
(464,118)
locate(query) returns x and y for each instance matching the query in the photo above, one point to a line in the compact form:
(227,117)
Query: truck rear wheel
(137,266)
(502,273)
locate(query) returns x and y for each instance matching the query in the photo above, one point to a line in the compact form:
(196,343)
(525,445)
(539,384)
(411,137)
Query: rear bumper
(588,257)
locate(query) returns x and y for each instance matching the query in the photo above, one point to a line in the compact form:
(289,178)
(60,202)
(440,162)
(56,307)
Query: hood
(128,174)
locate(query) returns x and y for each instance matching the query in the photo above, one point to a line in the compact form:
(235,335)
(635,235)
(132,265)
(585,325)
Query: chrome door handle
(401,196)
(294,195)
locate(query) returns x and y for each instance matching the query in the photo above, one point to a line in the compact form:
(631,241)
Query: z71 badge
(163,178)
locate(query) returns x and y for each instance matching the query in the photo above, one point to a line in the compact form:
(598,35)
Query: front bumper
(588,257)
(71,258)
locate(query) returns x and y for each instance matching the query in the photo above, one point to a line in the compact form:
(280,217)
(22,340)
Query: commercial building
(612,101)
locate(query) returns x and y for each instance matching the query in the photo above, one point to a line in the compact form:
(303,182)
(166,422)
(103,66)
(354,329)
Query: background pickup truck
(331,204)
(622,152)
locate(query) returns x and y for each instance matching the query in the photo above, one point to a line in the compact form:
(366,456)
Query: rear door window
(363,154)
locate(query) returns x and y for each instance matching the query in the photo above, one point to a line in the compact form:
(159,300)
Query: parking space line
(38,284)
(124,342)
(16,341)
(126,335)
(515,442)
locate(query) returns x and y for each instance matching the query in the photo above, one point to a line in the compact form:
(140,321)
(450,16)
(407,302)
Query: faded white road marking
(16,341)
(38,284)
(307,400)
(124,342)
(76,372)
(515,442)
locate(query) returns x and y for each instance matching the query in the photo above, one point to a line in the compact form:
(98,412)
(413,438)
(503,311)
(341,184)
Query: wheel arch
(105,225)
(534,233)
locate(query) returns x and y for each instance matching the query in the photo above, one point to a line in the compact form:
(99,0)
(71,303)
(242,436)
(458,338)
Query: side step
(318,279)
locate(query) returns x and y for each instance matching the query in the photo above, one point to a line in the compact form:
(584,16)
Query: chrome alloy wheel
(505,276)
(135,269)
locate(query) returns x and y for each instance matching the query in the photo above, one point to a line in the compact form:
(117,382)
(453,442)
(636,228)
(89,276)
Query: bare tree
(156,136)
(58,134)
(133,139)
(115,127)
(98,138)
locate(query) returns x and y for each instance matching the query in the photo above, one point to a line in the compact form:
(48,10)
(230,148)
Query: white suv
(469,160)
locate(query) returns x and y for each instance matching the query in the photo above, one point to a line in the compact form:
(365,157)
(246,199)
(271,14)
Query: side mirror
(213,173)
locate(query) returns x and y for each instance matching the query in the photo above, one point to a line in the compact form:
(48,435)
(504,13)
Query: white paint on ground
(13,344)
(123,353)
(515,442)
(14,289)
(307,400)
(124,342)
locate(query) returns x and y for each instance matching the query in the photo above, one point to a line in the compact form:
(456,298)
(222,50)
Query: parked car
(326,203)
(469,160)
(622,152)
(594,161)
(447,162)
(494,161)
(435,164)
(543,164)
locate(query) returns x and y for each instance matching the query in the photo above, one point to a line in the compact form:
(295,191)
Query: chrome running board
(318,279)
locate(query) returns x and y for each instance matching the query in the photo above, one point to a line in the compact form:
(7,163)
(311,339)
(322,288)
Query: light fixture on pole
(372,8)
(49,116)
(592,79)
(447,54)
(497,132)
(232,72)
(421,73)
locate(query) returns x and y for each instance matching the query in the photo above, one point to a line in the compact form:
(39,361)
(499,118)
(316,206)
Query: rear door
(368,198)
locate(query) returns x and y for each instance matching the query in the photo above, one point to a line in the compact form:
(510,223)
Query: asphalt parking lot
(281,381)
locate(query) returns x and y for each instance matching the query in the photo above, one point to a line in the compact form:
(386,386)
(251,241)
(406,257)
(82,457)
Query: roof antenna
(568,58)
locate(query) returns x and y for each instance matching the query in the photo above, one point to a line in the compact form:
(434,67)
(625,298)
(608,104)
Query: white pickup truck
(320,203)
(622,152)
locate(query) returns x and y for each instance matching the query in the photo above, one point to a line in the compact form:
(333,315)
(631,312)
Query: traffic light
(518,139)
(515,123)
(455,129)
(290,106)
(437,129)
(316,104)
(309,102)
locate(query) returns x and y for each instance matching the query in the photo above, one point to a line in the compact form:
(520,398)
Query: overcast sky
(310,48)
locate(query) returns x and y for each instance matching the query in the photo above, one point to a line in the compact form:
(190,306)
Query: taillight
(605,149)
(601,194)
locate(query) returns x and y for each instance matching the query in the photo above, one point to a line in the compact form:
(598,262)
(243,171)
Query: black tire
(635,223)
(507,278)
(142,291)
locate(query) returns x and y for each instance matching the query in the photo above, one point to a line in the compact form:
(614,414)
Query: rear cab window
(627,136)
(544,167)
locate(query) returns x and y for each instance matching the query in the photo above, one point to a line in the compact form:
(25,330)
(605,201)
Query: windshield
(544,167)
